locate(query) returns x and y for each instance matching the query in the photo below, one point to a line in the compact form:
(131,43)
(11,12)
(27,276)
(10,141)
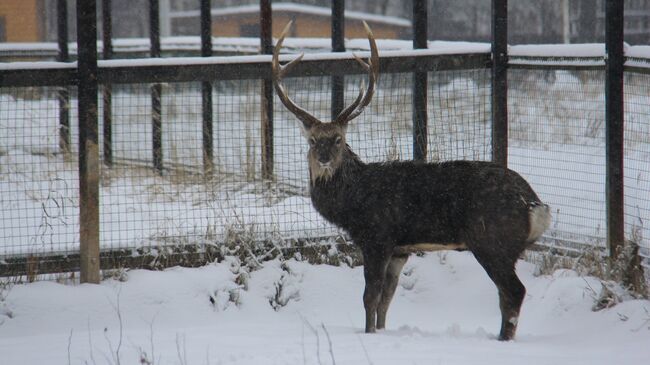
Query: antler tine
(364,98)
(279,71)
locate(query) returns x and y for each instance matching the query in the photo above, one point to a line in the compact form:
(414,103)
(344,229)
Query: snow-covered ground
(445,311)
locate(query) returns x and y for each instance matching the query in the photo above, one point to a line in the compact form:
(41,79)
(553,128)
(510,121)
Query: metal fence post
(338,45)
(266,43)
(420,117)
(64,92)
(107,89)
(156,89)
(89,168)
(614,130)
(500,82)
(206,89)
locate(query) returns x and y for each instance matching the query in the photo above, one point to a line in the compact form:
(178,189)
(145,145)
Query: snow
(390,48)
(296,8)
(37,65)
(638,52)
(557,50)
(445,311)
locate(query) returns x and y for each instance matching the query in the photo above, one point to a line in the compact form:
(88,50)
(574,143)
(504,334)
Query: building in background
(309,21)
(22,21)
(530,21)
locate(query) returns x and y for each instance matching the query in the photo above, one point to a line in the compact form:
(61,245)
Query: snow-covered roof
(297,8)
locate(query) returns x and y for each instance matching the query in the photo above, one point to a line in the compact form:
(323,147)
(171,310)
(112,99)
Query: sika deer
(395,208)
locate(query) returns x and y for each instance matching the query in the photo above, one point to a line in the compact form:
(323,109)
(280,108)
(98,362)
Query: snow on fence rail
(556,140)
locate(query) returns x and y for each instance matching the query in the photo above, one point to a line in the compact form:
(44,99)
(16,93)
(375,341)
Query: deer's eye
(338,140)
(312,141)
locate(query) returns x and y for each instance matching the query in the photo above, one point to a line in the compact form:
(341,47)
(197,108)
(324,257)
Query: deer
(393,209)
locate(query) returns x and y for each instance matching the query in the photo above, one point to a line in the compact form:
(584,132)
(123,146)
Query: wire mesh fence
(556,141)
(39,201)
(142,210)
(637,160)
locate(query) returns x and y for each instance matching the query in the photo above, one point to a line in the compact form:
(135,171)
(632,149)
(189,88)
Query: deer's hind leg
(501,269)
(393,271)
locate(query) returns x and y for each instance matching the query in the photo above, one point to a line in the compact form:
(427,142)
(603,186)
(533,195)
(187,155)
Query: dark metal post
(107,89)
(338,45)
(89,167)
(614,129)
(64,92)
(420,83)
(156,89)
(266,42)
(206,88)
(500,82)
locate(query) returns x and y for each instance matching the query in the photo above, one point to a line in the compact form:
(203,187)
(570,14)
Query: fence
(160,203)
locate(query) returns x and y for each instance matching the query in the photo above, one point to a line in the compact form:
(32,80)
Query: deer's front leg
(375,263)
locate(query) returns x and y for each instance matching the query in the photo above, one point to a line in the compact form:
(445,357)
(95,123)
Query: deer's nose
(324,160)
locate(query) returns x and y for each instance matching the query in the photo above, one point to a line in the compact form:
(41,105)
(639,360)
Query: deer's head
(327,145)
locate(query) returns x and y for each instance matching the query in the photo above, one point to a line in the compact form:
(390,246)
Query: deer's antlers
(349,113)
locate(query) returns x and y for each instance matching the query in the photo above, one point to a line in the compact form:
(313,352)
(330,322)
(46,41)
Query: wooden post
(420,83)
(338,45)
(107,89)
(156,89)
(500,82)
(206,89)
(266,42)
(64,92)
(89,168)
(614,130)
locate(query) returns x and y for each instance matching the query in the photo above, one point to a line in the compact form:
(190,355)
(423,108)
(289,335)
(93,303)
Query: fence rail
(21,74)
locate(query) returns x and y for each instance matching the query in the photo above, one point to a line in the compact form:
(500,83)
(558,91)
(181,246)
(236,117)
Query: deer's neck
(329,194)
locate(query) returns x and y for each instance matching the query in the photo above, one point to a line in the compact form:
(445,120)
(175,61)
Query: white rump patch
(539,218)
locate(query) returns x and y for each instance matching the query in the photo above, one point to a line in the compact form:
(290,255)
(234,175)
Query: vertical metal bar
(64,91)
(206,28)
(420,83)
(338,45)
(500,82)
(266,42)
(206,89)
(156,89)
(154,27)
(614,130)
(107,89)
(89,168)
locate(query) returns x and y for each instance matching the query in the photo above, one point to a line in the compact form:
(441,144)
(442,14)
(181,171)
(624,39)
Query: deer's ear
(305,129)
